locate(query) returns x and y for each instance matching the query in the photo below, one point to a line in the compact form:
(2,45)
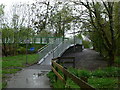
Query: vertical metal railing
(61,48)
(64,46)
(56,48)
(48,48)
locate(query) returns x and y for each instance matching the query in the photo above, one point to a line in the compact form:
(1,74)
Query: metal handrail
(56,48)
(48,48)
(42,48)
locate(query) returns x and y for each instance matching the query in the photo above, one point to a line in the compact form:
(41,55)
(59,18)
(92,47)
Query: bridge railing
(64,46)
(48,48)
(61,48)
(56,47)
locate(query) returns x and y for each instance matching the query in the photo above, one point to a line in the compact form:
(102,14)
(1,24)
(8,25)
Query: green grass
(10,71)
(103,82)
(51,75)
(107,72)
(13,64)
(58,84)
(55,84)
(101,78)
(79,73)
(19,60)
(71,84)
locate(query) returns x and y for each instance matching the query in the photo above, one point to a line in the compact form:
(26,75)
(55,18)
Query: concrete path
(31,77)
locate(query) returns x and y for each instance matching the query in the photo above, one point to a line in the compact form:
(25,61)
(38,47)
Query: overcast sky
(9,2)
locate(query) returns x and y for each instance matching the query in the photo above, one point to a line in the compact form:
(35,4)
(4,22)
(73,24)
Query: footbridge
(55,49)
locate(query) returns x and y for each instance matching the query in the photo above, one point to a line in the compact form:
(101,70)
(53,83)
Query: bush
(21,50)
(86,44)
(4,84)
(59,84)
(51,75)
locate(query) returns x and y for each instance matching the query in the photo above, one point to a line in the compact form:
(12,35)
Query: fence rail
(55,66)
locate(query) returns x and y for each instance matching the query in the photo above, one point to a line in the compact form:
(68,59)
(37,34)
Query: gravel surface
(87,59)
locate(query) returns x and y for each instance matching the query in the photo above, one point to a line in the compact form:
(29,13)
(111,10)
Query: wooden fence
(55,66)
(63,61)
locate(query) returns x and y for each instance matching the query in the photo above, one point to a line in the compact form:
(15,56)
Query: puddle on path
(30,78)
(42,73)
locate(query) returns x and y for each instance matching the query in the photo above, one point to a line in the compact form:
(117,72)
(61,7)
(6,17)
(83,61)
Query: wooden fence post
(56,75)
(82,83)
(65,77)
(59,60)
(74,62)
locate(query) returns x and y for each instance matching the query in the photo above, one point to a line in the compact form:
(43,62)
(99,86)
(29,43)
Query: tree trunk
(4,50)
(111,58)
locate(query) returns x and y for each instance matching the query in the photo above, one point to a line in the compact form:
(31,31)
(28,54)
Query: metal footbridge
(55,49)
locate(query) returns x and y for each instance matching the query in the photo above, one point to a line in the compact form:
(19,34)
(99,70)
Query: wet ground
(87,59)
(31,77)
(35,75)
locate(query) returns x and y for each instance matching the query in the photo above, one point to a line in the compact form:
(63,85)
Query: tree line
(98,21)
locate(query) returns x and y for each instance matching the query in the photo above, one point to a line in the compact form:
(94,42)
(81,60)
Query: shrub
(21,50)
(86,44)
(51,75)
(59,84)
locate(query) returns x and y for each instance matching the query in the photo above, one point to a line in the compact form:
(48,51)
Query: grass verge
(13,64)
(101,78)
